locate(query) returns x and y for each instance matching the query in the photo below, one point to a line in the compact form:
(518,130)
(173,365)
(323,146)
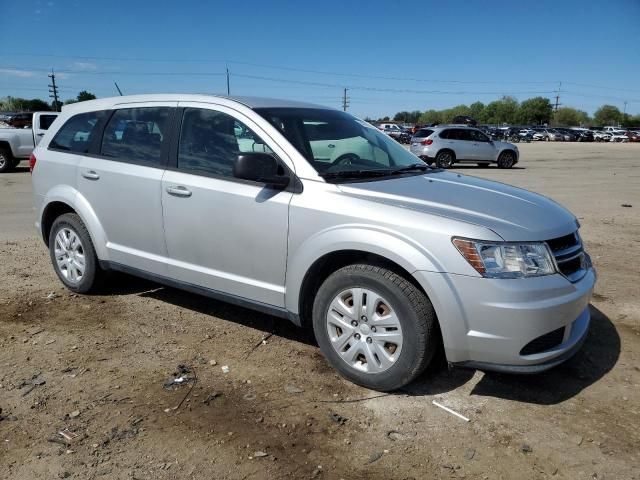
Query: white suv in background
(445,145)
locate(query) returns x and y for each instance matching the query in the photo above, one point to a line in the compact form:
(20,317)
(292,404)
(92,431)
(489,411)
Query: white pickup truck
(16,144)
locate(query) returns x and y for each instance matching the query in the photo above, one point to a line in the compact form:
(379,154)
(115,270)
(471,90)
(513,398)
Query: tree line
(17,104)
(507,110)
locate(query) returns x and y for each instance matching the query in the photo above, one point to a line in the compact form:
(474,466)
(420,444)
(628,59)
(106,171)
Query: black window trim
(295,184)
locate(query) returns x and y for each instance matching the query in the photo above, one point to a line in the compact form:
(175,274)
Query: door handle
(40,134)
(179,191)
(90,175)
(331,145)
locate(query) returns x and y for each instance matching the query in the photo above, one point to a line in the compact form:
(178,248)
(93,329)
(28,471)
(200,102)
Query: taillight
(426,141)
(32,162)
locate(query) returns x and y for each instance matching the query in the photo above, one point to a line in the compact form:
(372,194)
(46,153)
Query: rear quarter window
(424,132)
(77,132)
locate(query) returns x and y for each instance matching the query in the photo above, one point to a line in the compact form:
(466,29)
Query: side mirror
(260,167)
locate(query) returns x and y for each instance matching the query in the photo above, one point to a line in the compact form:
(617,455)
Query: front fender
(70,196)
(380,241)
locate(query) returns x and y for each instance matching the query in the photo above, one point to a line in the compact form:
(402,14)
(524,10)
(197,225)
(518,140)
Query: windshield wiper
(410,168)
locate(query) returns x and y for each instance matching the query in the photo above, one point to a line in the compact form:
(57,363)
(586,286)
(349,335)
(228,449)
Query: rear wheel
(506,159)
(375,327)
(445,159)
(6,160)
(73,255)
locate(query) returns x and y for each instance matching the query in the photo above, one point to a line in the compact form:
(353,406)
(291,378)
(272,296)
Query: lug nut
(363,318)
(354,323)
(369,340)
(373,329)
(357,336)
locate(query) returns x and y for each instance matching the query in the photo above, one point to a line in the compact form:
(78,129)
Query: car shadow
(475,167)
(20,169)
(122,284)
(597,357)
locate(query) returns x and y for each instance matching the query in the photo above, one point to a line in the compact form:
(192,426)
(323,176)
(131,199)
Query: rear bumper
(486,323)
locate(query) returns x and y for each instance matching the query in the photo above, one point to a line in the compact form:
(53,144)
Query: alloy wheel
(69,255)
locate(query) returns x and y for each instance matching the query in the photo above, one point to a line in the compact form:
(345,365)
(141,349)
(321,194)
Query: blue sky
(391,55)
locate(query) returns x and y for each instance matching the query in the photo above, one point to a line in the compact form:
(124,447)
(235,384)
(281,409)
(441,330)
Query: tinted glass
(136,135)
(336,142)
(46,121)
(477,136)
(76,134)
(445,134)
(210,141)
(425,132)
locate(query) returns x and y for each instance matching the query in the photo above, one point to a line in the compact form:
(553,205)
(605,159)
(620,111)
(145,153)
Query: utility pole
(555,109)
(53,90)
(118,88)
(345,100)
(228,87)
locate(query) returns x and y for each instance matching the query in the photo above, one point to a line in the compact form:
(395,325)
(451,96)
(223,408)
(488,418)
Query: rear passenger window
(76,134)
(425,132)
(46,121)
(210,141)
(136,135)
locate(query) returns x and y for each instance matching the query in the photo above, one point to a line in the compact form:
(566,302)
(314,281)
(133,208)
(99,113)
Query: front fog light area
(506,260)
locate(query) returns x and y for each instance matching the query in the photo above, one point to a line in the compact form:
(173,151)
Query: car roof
(247,101)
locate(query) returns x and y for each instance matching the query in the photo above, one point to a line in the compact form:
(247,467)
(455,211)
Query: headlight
(507,260)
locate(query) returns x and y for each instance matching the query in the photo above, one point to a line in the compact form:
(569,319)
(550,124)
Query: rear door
(41,123)
(121,181)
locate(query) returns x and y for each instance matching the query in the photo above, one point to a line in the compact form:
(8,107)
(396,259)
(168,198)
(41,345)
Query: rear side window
(136,135)
(76,134)
(46,121)
(424,132)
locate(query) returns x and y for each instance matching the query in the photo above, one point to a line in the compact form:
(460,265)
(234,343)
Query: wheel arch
(446,149)
(65,199)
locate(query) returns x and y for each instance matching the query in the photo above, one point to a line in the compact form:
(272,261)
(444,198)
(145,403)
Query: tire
(415,321)
(6,160)
(506,159)
(445,159)
(67,226)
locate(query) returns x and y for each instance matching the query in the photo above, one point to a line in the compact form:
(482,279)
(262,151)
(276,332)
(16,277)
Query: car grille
(544,342)
(570,256)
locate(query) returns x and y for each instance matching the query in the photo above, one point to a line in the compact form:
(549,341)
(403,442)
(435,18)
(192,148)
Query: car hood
(512,213)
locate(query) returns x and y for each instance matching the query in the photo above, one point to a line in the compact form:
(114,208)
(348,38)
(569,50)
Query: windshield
(337,144)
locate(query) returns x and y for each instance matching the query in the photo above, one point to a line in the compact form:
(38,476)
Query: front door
(222,233)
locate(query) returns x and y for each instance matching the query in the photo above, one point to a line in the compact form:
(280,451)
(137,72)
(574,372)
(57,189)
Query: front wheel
(375,327)
(506,160)
(73,255)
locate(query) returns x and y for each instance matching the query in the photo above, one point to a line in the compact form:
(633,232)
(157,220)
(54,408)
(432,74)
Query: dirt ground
(96,365)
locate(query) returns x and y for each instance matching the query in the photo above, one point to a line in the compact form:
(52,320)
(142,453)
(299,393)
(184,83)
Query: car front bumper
(486,323)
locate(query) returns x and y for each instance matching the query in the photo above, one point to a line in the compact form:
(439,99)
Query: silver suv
(445,145)
(310,214)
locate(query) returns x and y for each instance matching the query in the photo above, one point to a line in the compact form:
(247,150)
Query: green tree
(537,110)
(84,96)
(430,116)
(607,115)
(568,116)
(476,111)
(16,104)
(449,114)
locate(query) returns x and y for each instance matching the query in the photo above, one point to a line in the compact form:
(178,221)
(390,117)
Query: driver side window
(210,142)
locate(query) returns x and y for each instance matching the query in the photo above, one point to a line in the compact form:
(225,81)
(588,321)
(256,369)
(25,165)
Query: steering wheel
(345,159)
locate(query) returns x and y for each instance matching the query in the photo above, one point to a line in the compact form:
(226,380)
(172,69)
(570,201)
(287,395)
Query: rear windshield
(423,132)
